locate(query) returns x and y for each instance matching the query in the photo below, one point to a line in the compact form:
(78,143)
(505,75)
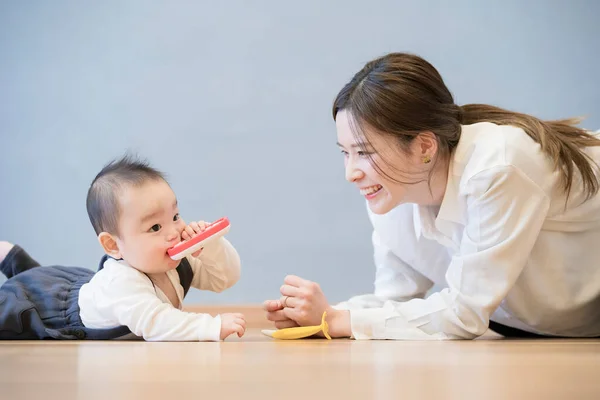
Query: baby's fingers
(196,254)
(240,322)
(240,329)
(189,230)
(196,228)
(202,225)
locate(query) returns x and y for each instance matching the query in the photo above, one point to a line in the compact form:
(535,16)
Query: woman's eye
(359,153)
(155,228)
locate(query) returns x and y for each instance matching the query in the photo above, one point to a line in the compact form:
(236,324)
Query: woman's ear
(110,245)
(426,146)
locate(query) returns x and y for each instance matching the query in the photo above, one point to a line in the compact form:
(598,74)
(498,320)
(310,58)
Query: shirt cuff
(212,331)
(368,323)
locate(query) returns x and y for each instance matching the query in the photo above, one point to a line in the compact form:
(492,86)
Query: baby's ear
(109,244)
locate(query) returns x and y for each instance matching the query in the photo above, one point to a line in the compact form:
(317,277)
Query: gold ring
(284,302)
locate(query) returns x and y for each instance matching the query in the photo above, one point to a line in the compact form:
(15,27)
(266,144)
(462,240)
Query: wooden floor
(258,367)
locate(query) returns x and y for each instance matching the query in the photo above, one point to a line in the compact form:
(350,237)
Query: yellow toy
(299,332)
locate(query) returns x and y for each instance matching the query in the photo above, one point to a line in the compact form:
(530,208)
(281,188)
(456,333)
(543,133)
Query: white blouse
(501,245)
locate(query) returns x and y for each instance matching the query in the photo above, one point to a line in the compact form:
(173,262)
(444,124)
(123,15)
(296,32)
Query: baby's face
(149,225)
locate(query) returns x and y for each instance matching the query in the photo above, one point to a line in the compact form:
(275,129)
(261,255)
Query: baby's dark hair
(103,195)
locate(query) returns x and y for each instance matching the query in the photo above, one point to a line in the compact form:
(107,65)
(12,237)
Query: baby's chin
(164,265)
(171,263)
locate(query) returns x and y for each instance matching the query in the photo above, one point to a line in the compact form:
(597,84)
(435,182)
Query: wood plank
(258,367)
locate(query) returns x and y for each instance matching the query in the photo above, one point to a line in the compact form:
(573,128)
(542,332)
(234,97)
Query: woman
(499,208)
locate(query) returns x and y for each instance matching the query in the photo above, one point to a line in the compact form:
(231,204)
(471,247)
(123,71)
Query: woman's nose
(353,174)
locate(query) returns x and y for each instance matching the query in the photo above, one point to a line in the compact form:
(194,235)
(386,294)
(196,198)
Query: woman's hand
(303,301)
(302,304)
(275,313)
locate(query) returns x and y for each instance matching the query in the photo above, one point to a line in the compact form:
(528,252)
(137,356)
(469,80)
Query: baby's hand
(190,230)
(232,323)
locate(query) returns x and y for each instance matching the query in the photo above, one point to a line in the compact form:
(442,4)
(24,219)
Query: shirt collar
(452,210)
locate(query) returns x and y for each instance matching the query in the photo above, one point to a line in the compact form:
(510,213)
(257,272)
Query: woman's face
(381,192)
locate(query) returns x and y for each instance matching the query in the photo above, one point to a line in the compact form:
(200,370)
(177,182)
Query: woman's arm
(394,280)
(505,213)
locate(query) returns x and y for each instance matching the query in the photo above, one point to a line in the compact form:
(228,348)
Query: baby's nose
(174,235)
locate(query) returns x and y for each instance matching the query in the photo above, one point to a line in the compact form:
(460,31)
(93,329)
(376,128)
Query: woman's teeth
(370,190)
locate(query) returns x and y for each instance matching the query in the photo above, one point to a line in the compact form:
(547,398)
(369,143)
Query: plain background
(233,101)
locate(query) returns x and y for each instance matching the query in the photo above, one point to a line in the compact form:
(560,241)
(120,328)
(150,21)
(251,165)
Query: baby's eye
(155,228)
(176,217)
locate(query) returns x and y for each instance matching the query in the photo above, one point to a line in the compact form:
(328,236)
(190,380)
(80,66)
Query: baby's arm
(217,267)
(127,297)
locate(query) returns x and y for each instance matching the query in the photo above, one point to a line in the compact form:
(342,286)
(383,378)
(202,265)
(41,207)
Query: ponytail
(561,140)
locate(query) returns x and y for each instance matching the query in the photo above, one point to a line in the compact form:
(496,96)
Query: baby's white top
(121,295)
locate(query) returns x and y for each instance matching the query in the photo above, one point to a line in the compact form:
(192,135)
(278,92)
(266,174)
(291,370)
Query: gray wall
(233,100)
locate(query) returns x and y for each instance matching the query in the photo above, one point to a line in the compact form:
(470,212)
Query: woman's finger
(296,281)
(302,317)
(286,324)
(290,302)
(272,305)
(292,313)
(276,316)
(288,290)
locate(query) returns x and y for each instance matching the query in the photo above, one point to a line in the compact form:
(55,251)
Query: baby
(138,290)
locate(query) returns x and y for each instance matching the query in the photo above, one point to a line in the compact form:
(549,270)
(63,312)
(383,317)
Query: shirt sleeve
(394,280)
(217,267)
(505,212)
(129,298)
